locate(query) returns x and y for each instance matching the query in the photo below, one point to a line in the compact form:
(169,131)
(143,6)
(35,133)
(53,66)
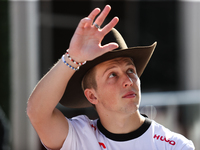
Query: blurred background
(35,34)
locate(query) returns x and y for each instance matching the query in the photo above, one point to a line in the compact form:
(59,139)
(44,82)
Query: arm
(49,122)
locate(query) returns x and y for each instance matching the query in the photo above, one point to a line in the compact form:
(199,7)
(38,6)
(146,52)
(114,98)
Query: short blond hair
(89,81)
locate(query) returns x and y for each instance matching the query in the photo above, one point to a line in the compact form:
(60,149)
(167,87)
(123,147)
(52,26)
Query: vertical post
(189,45)
(189,62)
(24,70)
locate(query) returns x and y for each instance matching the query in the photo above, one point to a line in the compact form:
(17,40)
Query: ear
(90,94)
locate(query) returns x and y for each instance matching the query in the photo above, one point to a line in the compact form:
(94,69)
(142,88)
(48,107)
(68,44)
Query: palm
(87,43)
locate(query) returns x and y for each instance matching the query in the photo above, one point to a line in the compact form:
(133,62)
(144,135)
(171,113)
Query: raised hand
(86,42)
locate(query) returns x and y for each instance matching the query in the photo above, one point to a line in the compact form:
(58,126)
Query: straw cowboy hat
(74,96)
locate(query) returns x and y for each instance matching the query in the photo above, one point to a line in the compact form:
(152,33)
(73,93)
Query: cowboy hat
(74,96)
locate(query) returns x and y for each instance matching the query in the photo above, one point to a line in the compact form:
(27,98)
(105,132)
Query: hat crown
(115,36)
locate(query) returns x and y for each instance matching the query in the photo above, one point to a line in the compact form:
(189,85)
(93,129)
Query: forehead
(115,61)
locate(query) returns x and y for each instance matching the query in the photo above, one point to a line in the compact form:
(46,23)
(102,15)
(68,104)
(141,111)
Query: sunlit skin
(114,80)
(117,96)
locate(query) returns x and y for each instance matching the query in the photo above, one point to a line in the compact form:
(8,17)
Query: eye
(112,75)
(130,70)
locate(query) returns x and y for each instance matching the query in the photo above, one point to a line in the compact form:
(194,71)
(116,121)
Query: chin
(131,109)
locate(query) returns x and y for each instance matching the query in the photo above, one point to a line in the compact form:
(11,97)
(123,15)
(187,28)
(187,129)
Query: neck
(119,123)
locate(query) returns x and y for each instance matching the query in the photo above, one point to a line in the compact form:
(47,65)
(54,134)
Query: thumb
(109,47)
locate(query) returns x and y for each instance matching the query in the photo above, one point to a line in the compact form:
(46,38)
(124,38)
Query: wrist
(69,63)
(77,59)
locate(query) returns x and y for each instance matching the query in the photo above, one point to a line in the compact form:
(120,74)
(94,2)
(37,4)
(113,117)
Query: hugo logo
(163,138)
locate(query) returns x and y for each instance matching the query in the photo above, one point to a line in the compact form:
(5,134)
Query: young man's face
(118,86)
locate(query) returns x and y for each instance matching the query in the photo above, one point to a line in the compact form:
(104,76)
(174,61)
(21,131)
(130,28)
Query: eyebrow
(109,69)
(127,64)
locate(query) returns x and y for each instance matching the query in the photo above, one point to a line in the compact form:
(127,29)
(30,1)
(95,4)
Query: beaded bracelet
(80,64)
(63,59)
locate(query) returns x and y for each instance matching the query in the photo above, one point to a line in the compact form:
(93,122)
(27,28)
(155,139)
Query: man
(110,82)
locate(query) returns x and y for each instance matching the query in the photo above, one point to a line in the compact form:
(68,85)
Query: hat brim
(74,96)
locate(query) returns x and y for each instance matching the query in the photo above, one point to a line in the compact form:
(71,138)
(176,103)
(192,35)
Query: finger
(109,47)
(84,22)
(103,15)
(87,21)
(107,28)
(94,13)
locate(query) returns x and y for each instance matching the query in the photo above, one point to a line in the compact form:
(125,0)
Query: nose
(127,81)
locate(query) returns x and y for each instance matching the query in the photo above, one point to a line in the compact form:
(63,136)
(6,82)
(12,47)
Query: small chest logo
(164,139)
(102,144)
(93,127)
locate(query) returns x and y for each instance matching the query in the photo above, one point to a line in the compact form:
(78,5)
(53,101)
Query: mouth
(130,94)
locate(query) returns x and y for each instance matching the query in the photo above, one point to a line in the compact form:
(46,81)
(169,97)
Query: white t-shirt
(86,134)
